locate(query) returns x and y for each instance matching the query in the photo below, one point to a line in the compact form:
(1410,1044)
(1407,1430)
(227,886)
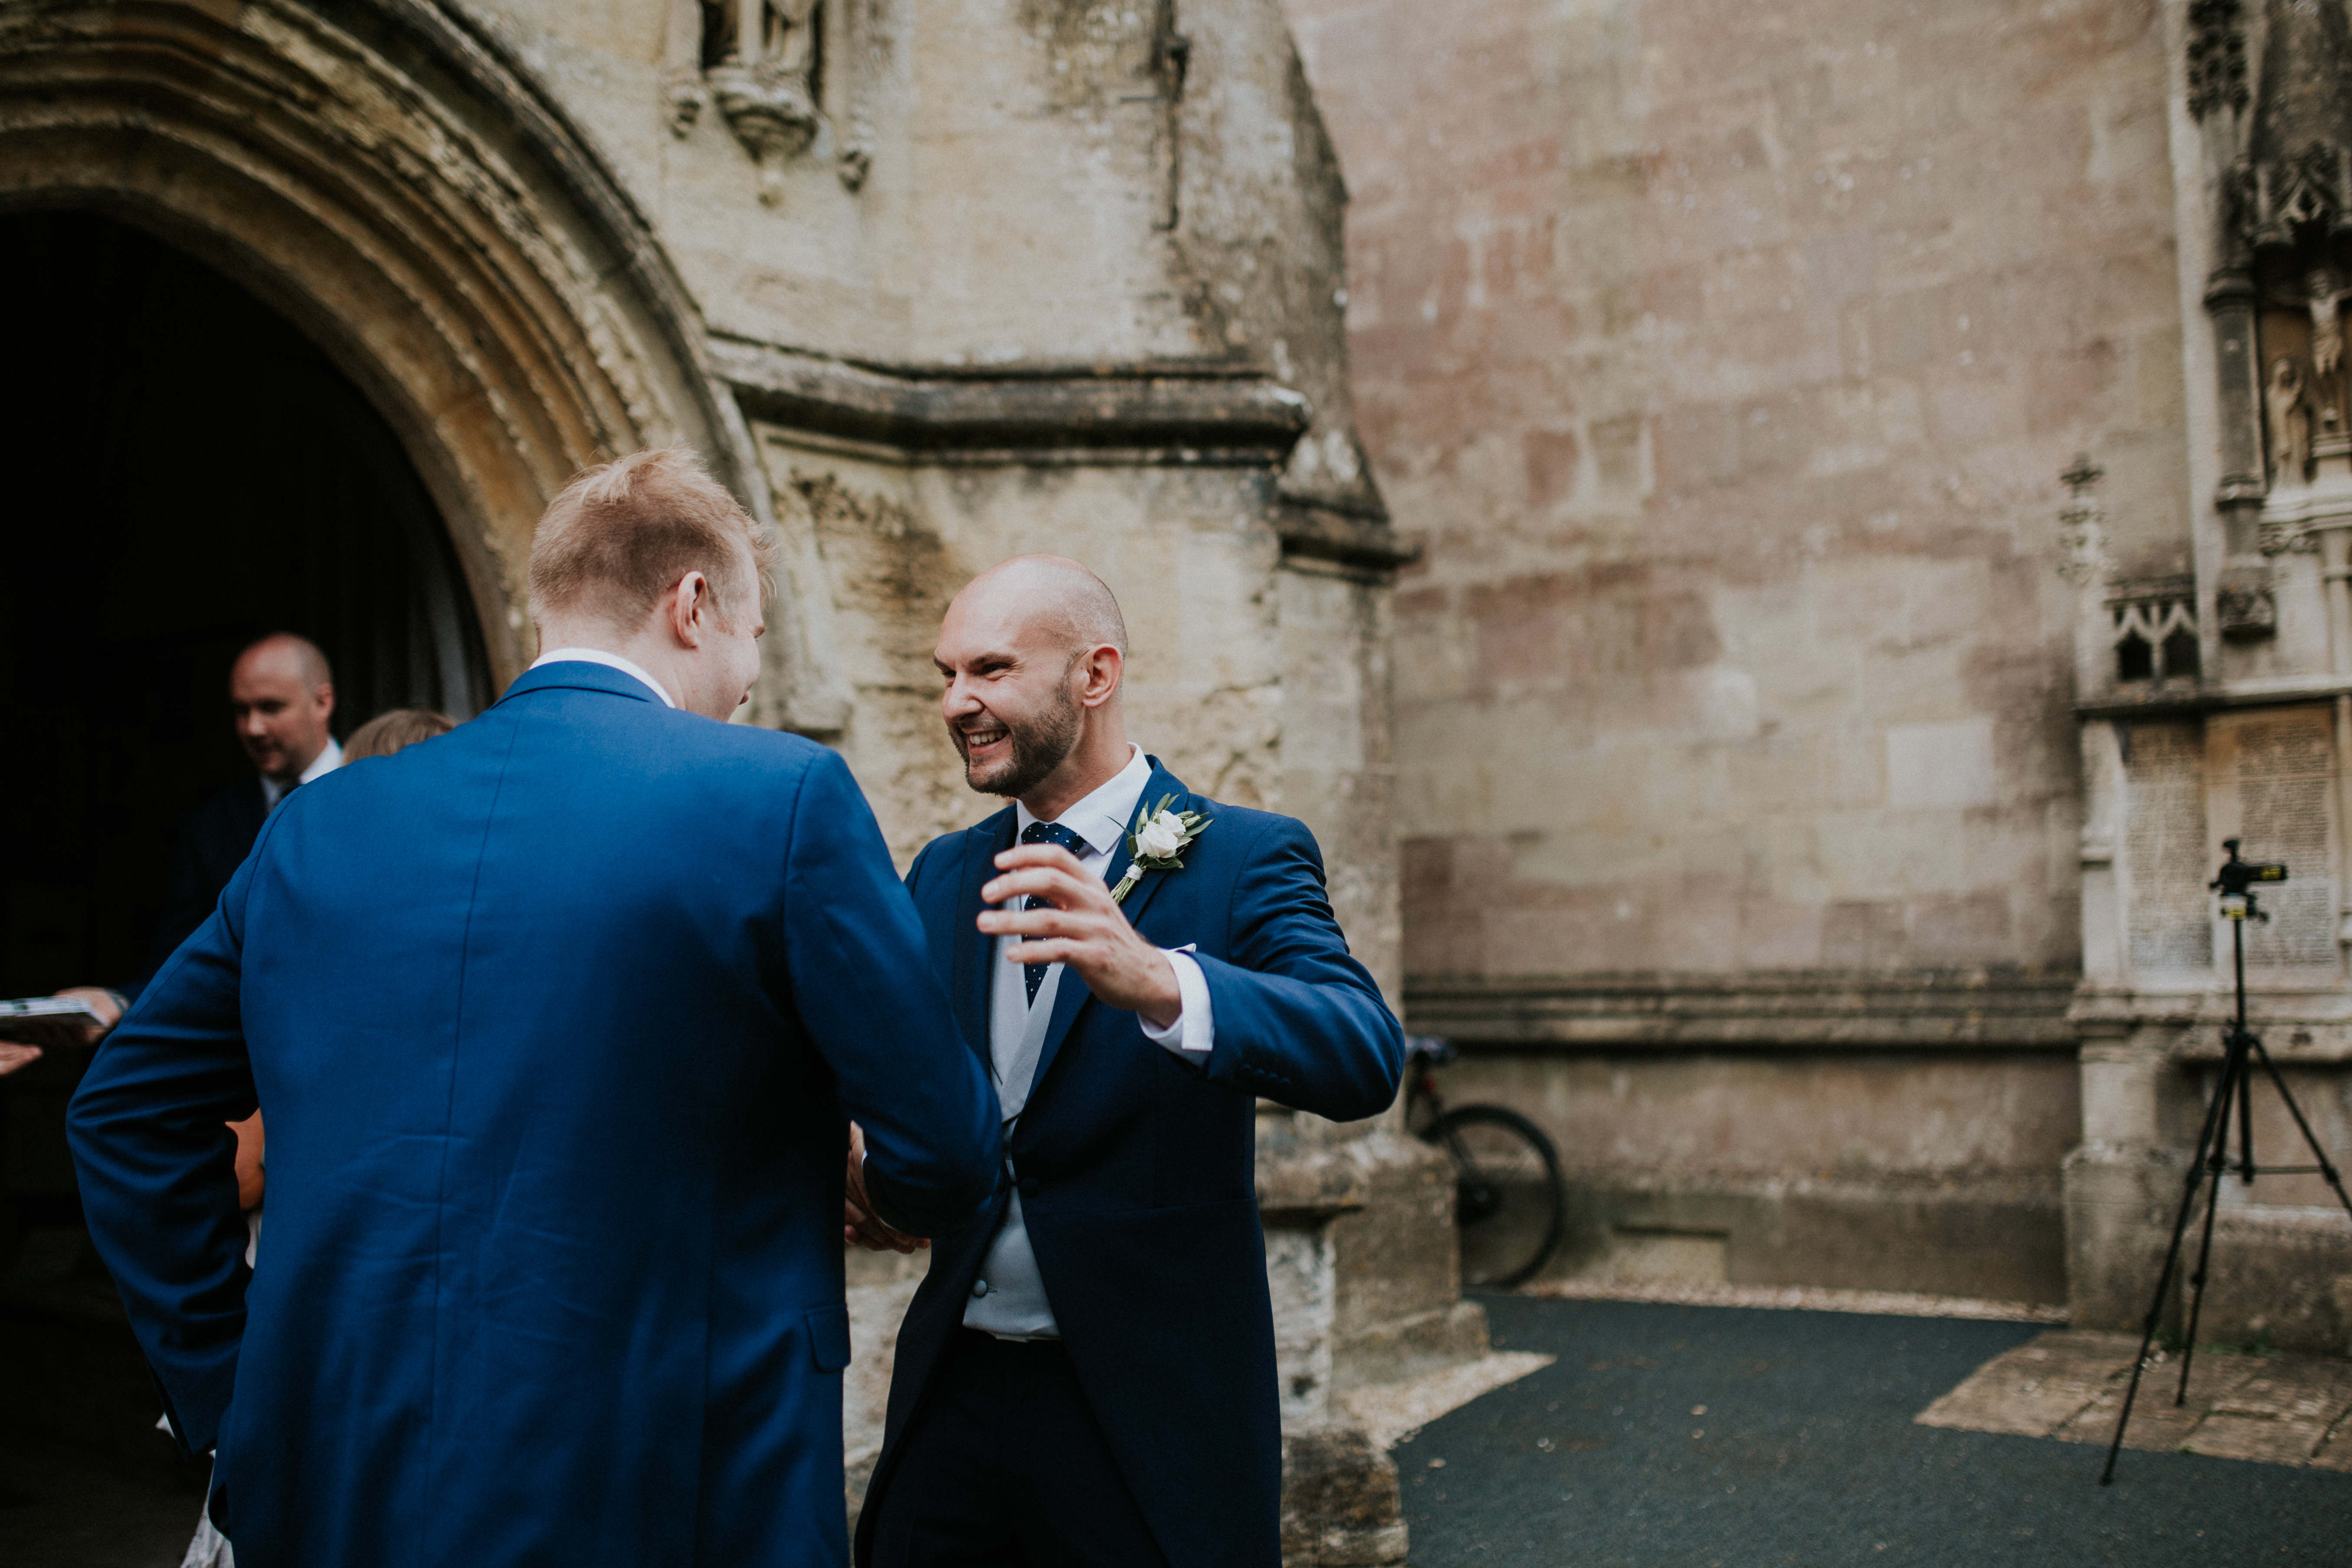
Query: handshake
(859,1226)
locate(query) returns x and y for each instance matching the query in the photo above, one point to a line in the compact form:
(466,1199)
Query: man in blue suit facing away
(558,1020)
(1086,1375)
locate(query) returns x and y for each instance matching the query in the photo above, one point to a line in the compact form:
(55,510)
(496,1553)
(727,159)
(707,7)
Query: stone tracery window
(2154,633)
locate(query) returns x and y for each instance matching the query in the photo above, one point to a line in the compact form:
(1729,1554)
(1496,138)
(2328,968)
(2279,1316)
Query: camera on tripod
(2235,883)
(2241,1052)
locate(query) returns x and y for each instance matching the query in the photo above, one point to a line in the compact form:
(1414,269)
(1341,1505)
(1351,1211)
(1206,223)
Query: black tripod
(2241,1048)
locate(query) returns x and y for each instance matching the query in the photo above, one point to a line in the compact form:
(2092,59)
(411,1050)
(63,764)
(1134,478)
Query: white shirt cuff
(1193,1033)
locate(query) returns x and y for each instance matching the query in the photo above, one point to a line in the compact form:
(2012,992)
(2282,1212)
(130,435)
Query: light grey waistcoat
(1008,1300)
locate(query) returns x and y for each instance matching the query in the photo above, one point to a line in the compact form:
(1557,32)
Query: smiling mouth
(981,742)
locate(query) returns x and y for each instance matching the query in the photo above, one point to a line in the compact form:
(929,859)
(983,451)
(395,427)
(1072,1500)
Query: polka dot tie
(1046,833)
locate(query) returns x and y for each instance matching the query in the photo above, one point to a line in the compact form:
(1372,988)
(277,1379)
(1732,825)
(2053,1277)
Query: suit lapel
(974,951)
(1074,993)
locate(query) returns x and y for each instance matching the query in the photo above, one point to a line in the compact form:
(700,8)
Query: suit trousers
(1006,1467)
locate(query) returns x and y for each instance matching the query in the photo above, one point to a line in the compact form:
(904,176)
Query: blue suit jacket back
(554,1021)
(1138,1171)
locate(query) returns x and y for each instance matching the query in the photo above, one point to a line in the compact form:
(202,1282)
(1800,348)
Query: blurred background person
(281,699)
(388,733)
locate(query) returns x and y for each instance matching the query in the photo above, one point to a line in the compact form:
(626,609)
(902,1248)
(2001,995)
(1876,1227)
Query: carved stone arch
(382,174)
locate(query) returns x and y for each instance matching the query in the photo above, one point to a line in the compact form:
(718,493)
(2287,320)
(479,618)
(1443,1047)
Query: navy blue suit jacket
(556,1020)
(213,843)
(1138,1171)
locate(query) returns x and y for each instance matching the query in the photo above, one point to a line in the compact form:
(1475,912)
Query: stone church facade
(931,285)
(1883,478)
(1871,498)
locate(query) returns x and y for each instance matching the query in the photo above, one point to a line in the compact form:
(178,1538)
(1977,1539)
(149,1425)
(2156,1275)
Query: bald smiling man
(1088,1373)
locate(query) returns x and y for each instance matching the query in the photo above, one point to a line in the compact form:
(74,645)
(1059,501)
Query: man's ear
(689,605)
(1104,664)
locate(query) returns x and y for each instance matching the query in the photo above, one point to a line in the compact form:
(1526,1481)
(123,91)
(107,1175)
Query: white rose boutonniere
(1158,842)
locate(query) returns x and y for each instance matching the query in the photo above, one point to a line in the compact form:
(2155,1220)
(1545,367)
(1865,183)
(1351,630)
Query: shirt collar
(1103,817)
(610,661)
(325,762)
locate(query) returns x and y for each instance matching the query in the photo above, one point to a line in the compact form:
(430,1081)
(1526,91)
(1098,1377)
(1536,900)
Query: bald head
(1055,594)
(1033,652)
(298,657)
(282,694)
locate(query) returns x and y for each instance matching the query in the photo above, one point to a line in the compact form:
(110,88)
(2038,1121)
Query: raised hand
(1080,927)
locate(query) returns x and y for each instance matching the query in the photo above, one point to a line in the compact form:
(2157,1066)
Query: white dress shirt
(610,661)
(1008,1298)
(325,762)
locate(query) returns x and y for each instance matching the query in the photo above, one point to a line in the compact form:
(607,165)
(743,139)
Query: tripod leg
(2234,1086)
(2196,1281)
(2245,1122)
(2164,1280)
(2328,1170)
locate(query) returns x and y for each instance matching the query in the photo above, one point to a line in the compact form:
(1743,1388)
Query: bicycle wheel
(1509,1197)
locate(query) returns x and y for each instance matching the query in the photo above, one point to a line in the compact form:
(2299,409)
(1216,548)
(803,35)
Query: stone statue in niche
(2289,419)
(2320,394)
(2324,292)
(761,60)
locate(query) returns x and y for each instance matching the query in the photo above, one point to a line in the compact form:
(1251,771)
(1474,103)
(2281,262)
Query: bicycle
(1509,1197)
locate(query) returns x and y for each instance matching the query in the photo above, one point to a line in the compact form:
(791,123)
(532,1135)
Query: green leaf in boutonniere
(1158,843)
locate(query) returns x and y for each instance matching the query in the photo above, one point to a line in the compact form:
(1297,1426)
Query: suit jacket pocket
(828,1330)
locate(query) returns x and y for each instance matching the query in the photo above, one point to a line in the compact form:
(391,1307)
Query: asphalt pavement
(1664,1437)
(1726,1438)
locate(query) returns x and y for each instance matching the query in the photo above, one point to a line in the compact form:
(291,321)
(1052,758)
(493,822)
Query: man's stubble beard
(1038,748)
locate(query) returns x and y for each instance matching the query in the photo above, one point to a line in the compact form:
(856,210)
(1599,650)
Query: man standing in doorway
(281,695)
(1086,1375)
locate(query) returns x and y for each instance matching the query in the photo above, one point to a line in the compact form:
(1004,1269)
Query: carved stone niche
(2287,242)
(2217,57)
(2244,606)
(763,62)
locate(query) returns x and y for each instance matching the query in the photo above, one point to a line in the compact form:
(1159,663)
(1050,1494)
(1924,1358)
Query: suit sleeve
(156,1164)
(864,986)
(1298,1020)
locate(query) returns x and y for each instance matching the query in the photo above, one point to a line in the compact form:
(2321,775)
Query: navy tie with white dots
(1047,832)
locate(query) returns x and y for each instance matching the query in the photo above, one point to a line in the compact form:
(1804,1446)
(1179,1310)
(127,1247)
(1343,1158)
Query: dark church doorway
(185,472)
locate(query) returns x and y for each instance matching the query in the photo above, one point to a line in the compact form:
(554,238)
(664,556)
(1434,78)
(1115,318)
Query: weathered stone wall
(933,282)
(1865,1170)
(1725,358)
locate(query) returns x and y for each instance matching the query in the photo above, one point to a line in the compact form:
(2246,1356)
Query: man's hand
(859,1227)
(29,1037)
(250,1180)
(1082,927)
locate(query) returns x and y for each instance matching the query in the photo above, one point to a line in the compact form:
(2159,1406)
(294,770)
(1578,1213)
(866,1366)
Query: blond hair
(621,534)
(395,728)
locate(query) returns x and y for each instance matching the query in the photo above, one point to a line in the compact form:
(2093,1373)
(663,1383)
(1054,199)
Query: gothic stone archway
(389,183)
